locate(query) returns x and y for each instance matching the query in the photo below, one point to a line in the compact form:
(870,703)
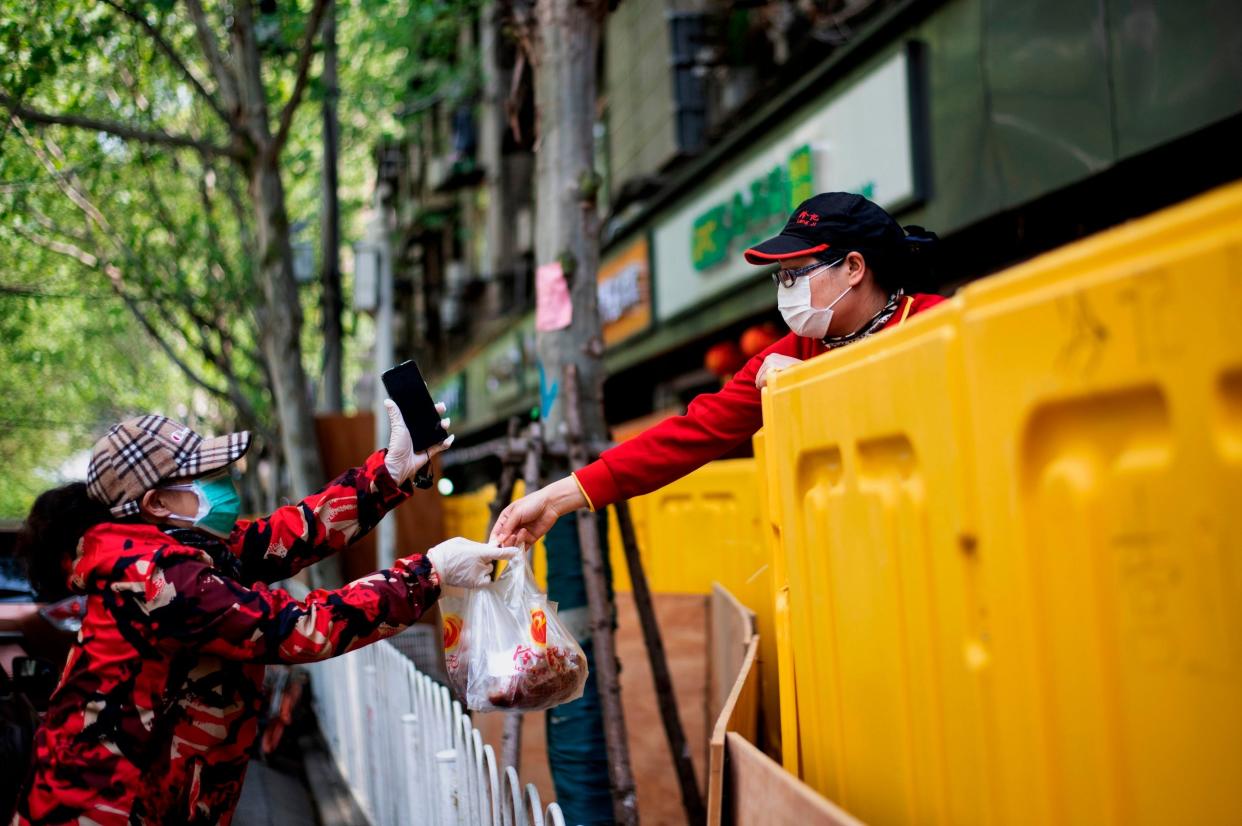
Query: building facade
(1008,128)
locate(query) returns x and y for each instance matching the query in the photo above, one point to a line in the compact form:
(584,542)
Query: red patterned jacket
(158,705)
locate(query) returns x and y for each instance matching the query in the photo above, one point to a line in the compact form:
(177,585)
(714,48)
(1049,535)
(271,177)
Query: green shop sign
(752,213)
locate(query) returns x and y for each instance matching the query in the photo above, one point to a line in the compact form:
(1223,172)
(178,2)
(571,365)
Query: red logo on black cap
(808,219)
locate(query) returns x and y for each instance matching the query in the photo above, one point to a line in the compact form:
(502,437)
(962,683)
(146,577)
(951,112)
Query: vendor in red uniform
(842,265)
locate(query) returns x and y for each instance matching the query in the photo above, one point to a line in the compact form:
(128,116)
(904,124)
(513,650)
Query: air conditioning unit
(450,312)
(439,169)
(524,231)
(456,276)
(366,277)
(303,262)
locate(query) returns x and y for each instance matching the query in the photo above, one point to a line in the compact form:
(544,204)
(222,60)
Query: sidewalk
(272,798)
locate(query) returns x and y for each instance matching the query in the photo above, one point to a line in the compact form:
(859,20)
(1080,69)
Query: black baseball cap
(830,221)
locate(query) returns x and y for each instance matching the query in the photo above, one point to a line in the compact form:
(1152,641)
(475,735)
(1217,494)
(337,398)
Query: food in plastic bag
(453,603)
(508,649)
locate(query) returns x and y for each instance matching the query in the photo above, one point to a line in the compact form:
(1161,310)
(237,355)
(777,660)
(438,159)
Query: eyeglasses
(786,278)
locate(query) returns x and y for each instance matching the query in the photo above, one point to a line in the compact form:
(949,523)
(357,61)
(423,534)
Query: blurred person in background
(157,708)
(844,265)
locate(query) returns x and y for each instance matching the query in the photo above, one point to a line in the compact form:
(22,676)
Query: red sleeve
(713,424)
(323,523)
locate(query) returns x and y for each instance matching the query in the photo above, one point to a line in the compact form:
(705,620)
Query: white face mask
(796,309)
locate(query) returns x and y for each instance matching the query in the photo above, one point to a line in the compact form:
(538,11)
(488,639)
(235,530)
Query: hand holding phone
(407,388)
(416,431)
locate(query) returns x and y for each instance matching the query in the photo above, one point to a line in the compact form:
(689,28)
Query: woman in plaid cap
(158,706)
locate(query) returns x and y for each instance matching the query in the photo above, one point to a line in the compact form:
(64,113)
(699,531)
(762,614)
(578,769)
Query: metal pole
(385,356)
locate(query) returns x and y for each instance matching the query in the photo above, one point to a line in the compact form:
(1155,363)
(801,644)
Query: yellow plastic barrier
(467,514)
(709,527)
(1107,385)
(701,529)
(779,726)
(1013,589)
(869,487)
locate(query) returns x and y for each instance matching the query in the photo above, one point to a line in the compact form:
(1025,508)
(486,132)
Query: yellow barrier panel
(868,481)
(1013,589)
(776,680)
(467,514)
(1106,381)
(708,527)
(701,529)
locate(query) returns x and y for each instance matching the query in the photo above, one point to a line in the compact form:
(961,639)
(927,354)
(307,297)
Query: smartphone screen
(407,388)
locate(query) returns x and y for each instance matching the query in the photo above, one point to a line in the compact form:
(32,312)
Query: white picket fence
(409,753)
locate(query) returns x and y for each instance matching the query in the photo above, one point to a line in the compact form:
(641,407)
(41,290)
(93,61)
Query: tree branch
(164,46)
(120,130)
(303,71)
(64,248)
(240,214)
(175,273)
(211,50)
(233,392)
(115,279)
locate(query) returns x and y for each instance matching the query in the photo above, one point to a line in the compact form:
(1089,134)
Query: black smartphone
(407,388)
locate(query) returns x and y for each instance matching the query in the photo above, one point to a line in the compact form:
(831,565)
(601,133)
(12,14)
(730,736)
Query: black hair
(907,265)
(48,539)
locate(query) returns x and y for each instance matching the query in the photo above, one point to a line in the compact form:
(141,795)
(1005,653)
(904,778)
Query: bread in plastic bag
(505,648)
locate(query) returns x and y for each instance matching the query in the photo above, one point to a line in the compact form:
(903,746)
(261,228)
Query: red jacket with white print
(158,706)
(713,425)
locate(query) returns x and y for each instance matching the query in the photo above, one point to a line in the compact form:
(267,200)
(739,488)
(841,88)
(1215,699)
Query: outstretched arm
(183,600)
(188,602)
(713,424)
(296,536)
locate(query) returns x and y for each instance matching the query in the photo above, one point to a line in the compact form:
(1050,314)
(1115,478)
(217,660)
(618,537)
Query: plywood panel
(760,791)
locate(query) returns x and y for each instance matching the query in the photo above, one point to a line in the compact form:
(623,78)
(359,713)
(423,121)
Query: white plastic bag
(505,648)
(453,602)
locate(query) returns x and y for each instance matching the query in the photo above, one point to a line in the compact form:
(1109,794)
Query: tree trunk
(567,47)
(282,347)
(564,46)
(332,398)
(282,334)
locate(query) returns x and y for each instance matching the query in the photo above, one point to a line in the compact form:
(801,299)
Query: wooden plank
(730,627)
(733,686)
(740,716)
(760,791)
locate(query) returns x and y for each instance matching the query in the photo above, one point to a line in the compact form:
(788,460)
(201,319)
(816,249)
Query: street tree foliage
(144,221)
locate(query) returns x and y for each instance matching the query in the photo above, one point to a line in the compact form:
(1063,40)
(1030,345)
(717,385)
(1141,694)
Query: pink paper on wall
(553,308)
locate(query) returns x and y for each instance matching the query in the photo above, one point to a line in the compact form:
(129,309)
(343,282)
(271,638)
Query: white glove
(773,362)
(402,461)
(462,563)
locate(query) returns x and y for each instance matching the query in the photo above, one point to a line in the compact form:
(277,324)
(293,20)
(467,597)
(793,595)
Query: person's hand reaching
(402,461)
(461,563)
(526,520)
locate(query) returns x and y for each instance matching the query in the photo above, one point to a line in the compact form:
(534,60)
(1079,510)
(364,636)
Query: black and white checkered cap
(139,454)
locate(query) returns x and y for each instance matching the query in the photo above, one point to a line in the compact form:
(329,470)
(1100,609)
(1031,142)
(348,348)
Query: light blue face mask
(219,504)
